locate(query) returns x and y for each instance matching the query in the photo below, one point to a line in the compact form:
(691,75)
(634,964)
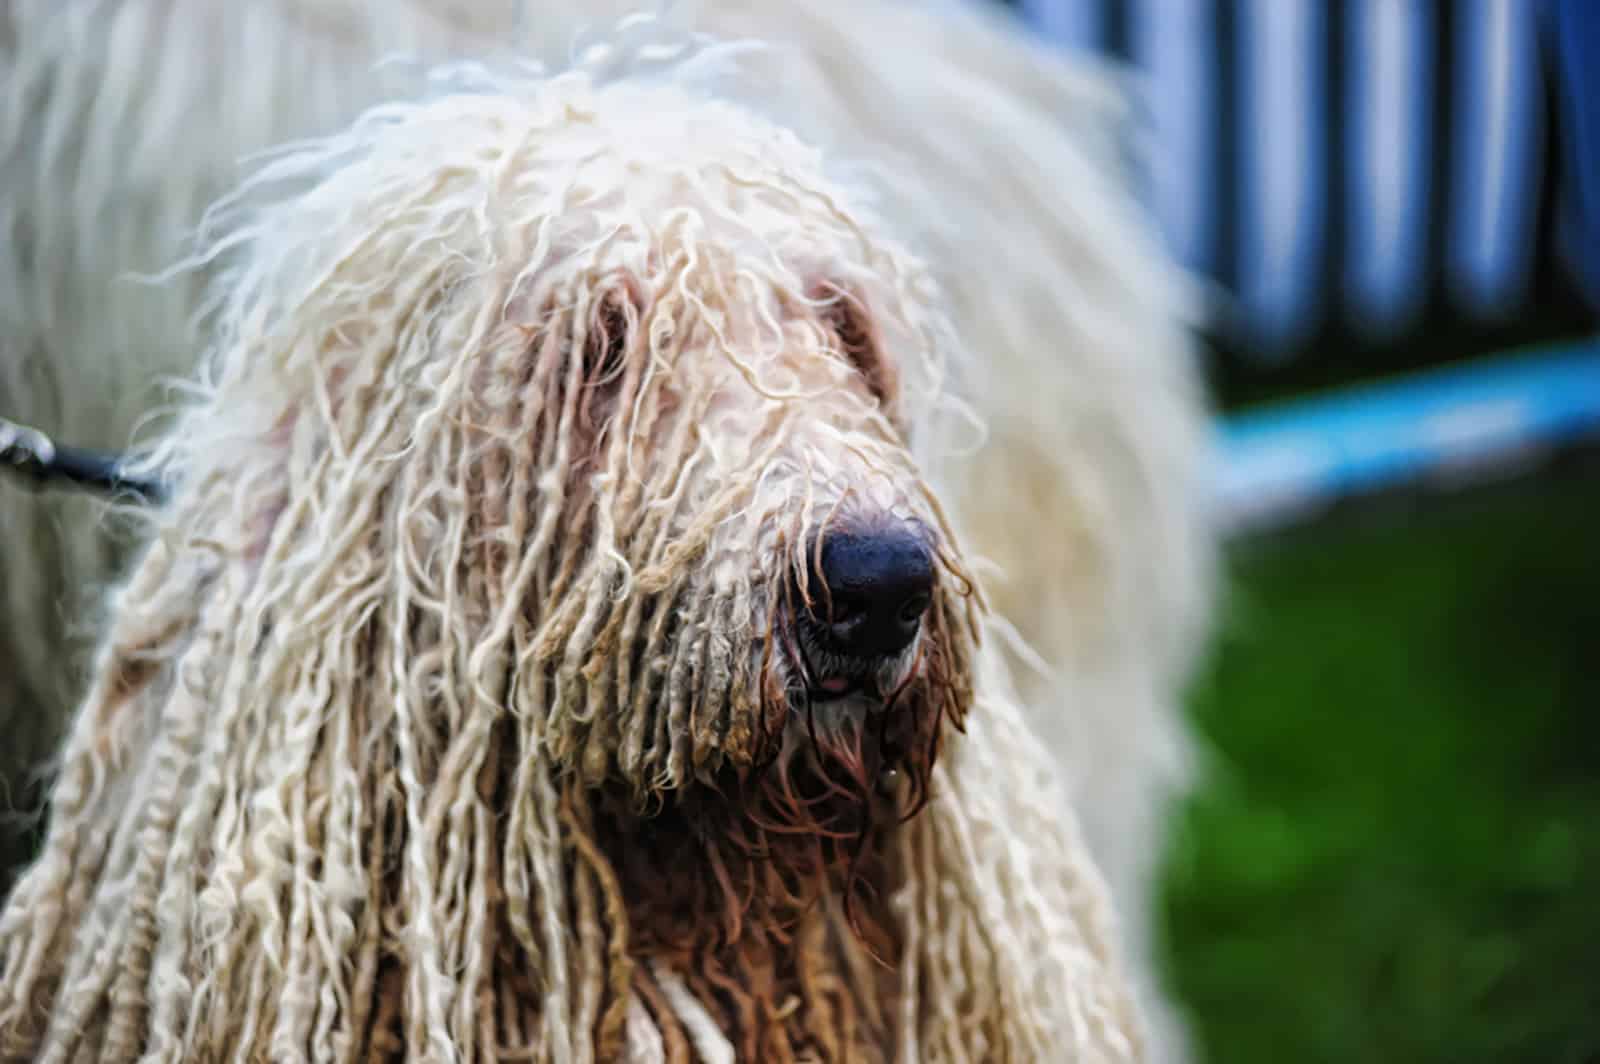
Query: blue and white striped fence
(1364,167)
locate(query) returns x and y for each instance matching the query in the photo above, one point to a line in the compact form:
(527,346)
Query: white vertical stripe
(1281,158)
(1074,24)
(1496,122)
(1170,41)
(1390,74)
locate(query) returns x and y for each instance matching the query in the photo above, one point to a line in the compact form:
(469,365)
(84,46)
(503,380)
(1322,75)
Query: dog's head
(750,616)
(620,399)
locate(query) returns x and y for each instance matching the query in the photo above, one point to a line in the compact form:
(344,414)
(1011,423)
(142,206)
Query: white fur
(1000,163)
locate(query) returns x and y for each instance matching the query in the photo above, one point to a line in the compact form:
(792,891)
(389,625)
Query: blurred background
(1395,853)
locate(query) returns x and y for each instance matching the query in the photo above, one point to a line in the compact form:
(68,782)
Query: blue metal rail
(1293,459)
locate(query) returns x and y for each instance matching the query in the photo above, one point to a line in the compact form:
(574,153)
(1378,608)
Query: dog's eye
(605,348)
(848,319)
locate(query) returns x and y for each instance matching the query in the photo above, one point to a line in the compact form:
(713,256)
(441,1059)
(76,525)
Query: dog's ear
(847,316)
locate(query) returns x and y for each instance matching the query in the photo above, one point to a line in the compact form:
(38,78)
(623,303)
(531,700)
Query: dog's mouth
(824,672)
(828,688)
(835,686)
(867,702)
(869,685)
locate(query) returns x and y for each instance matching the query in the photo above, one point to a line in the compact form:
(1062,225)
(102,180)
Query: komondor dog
(1078,493)
(552,648)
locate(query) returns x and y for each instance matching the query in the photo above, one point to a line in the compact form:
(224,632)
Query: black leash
(35,457)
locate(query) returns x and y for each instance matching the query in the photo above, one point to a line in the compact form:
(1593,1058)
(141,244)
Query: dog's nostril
(912,609)
(879,585)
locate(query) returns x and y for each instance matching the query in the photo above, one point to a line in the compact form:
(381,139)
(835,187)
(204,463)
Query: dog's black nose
(878,586)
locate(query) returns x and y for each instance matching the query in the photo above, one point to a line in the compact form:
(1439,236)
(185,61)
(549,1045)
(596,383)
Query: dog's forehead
(573,178)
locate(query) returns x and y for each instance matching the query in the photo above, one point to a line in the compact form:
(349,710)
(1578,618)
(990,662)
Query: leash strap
(35,458)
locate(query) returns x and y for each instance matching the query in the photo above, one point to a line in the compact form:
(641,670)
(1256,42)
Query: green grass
(1396,853)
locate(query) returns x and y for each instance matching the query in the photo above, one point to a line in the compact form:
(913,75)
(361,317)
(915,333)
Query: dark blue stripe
(1576,68)
(1225,143)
